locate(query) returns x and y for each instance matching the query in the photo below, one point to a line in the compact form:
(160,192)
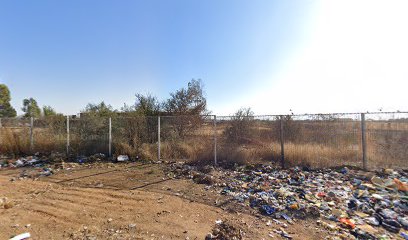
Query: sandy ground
(125,201)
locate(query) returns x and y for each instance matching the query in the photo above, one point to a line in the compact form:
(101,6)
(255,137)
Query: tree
(188,104)
(6,110)
(100,110)
(30,108)
(190,101)
(48,111)
(147,105)
(141,127)
(240,130)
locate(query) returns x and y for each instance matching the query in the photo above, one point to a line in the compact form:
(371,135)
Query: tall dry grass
(337,145)
(14,141)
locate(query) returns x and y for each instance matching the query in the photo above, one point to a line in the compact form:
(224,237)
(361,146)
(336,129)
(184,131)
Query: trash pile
(92,158)
(32,167)
(347,203)
(22,162)
(224,230)
(46,165)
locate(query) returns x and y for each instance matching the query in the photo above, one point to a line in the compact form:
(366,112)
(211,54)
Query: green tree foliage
(240,129)
(147,105)
(101,110)
(49,111)
(141,127)
(6,110)
(31,108)
(190,101)
(189,104)
(291,129)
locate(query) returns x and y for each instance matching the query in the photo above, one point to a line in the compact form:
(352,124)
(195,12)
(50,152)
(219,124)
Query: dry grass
(386,148)
(295,154)
(14,141)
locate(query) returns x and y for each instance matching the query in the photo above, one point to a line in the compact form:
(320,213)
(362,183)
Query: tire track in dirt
(169,210)
(102,195)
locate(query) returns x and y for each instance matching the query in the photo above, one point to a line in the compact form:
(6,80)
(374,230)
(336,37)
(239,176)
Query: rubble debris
(356,203)
(224,230)
(97,157)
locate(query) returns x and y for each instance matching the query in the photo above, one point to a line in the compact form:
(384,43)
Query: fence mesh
(315,140)
(243,138)
(387,139)
(135,136)
(187,137)
(15,136)
(323,140)
(49,134)
(88,135)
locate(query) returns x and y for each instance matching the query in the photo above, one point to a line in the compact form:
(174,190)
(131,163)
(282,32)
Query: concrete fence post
(215,140)
(158,138)
(110,137)
(31,134)
(364,141)
(67,136)
(282,142)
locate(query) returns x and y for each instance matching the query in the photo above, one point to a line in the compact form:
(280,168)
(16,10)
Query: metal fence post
(158,138)
(110,137)
(215,140)
(67,136)
(31,134)
(282,143)
(364,140)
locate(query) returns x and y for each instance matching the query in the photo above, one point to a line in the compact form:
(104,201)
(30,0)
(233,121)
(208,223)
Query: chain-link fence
(88,135)
(135,136)
(370,140)
(387,139)
(187,138)
(15,136)
(49,134)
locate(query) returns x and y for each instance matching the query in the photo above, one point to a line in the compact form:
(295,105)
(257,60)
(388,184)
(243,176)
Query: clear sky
(305,55)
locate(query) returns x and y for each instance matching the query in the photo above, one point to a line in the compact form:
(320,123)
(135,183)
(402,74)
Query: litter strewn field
(145,200)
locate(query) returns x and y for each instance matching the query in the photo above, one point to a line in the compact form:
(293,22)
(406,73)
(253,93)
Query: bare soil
(126,201)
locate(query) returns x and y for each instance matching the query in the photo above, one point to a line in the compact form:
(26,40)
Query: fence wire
(387,139)
(315,140)
(187,138)
(88,135)
(14,136)
(324,140)
(135,136)
(49,134)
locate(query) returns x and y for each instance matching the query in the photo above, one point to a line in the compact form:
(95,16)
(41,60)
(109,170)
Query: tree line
(184,101)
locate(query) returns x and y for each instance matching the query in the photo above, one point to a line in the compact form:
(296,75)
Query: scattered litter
(359,204)
(123,158)
(225,230)
(21,236)
(218,221)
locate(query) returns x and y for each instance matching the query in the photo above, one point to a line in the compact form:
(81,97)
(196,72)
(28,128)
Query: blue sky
(308,55)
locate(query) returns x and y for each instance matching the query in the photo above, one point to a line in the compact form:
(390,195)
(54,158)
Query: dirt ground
(126,201)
